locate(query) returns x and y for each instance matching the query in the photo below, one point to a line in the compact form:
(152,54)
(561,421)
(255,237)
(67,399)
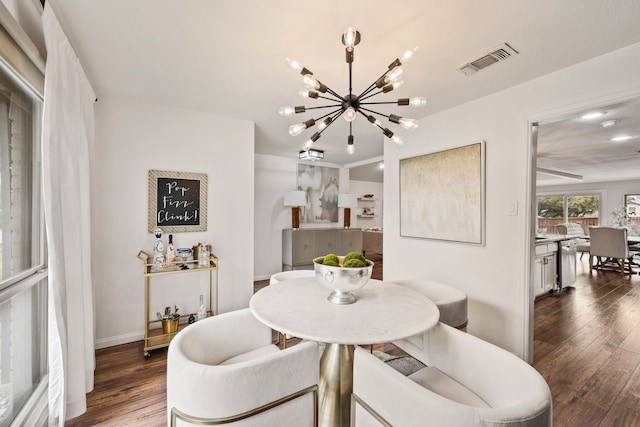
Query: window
(632,206)
(23,277)
(557,209)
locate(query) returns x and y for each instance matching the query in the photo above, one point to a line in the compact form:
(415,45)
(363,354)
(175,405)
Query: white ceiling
(581,147)
(228,57)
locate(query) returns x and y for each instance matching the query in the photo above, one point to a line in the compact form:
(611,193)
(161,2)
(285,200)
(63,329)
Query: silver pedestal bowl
(342,281)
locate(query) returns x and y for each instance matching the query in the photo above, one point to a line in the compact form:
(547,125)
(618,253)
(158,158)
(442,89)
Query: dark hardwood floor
(587,346)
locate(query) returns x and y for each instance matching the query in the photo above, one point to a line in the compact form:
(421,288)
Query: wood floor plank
(620,416)
(579,413)
(632,342)
(567,383)
(630,394)
(606,384)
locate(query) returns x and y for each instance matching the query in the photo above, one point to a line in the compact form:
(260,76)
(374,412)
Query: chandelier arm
(334,93)
(371,87)
(372,95)
(330,99)
(379,103)
(374,112)
(335,113)
(373,123)
(323,106)
(350,80)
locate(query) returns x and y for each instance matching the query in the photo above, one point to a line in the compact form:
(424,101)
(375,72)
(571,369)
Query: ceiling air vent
(498,54)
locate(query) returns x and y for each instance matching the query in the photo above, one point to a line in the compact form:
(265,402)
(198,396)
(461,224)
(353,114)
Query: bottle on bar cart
(203,255)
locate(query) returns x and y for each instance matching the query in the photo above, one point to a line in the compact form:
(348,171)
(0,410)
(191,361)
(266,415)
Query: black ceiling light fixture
(351,104)
(311,154)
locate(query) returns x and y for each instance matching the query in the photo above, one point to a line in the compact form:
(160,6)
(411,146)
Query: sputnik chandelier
(350,105)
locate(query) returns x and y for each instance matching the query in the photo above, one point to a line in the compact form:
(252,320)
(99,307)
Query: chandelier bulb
(408,124)
(418,101)
(351,149)
(307,144)
(323,124)
(295,130)
(312,83)
(309,81)
(350,38)
(308,94)
(349,114)
(294,64)
(397,140)
(408,55)
(397,84)
(286,111)
(395,73)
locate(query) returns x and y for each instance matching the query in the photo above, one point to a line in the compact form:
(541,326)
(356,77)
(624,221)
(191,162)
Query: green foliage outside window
(578,206)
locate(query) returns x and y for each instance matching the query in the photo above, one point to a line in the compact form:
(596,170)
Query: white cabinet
(301,246)
(545,268)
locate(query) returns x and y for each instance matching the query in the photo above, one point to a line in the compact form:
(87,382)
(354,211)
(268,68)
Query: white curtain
(67,143)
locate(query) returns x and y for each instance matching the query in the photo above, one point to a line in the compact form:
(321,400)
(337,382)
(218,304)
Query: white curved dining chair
(288,275)
(224,370)
(467,382)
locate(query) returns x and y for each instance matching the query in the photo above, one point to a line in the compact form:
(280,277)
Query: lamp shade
(347,200)
(295,198)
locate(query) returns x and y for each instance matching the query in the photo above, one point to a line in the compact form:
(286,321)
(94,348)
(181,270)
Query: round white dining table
(383,312)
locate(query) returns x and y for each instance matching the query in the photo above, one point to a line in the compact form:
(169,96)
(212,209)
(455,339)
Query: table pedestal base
(336,385)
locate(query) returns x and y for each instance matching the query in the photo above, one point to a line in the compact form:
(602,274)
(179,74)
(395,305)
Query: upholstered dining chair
(451,302)
(288,275)
(224,370)
(610,249)
(580,232)
(467,382)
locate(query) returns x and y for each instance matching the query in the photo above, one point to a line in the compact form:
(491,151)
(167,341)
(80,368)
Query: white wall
(359,188)
(132,138)
(496,276)
(612,193)
(274,176)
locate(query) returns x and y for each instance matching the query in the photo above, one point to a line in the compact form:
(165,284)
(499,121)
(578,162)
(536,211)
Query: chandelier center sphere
(351,101)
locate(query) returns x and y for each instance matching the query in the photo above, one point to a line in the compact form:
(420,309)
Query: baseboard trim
(118,340)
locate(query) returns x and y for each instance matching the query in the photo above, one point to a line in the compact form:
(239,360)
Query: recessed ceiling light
(608,123)
(592,115)
(620,138)
(381,166)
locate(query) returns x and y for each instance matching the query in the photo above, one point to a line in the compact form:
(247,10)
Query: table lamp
(295,199)
(347,201)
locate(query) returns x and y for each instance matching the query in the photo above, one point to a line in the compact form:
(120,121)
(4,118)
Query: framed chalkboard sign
(177,201)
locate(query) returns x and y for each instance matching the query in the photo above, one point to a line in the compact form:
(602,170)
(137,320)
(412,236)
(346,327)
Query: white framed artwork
(442,195)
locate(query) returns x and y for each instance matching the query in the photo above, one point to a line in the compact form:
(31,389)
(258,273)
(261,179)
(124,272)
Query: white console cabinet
(301,246)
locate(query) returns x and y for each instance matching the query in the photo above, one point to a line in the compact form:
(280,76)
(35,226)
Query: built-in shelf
(367,216)
(367,199)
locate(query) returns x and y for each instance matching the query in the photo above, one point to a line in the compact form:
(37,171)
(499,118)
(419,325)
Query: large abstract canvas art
(321,185)
(442,195)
